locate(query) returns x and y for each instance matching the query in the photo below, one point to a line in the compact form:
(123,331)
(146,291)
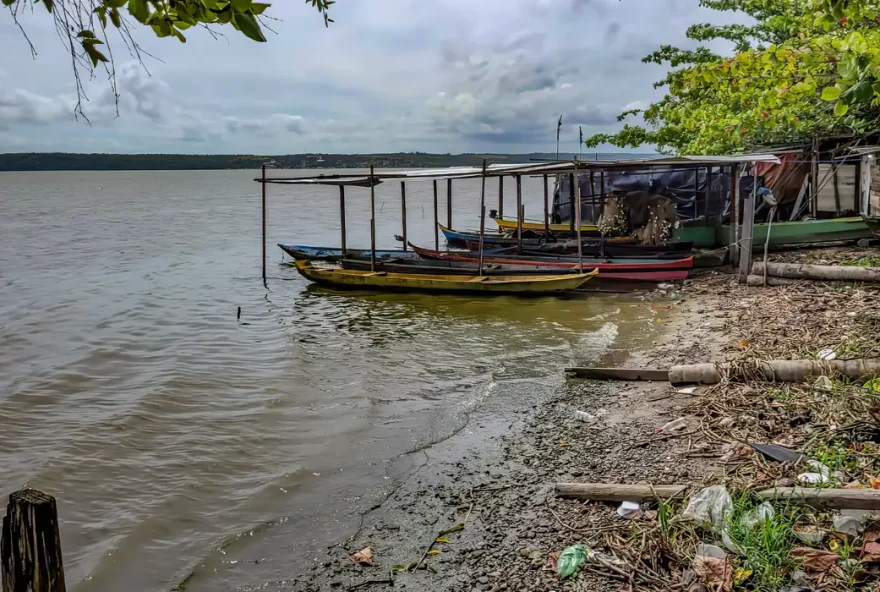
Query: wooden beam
(619,492)
(263,184)
(372,220)
(733,210)
(649,374)
(342,218)
(436,221)
(519,220)
(448,203)
(748,229)
(849,499)
(837,191)
(403,212)
(814,180)
(501,197)
(482,215)
(865,175)
(546,207)
(571,182)
(30,544)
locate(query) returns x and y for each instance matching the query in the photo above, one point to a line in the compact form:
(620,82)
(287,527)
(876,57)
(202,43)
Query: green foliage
(803,70)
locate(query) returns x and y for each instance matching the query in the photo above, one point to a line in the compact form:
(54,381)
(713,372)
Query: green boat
(800,232)
(873,224)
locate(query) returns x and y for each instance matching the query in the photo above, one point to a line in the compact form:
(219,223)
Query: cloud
(267,127)
(19,107)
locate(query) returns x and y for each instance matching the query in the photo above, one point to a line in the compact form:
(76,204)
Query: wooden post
(814,181)
(577,222)
(30,548)
(857,194)
(448,203)
(263,184)
(707,194)
(602,189)
(436,230)
(342,217)
(403,212)
(482,215)
(594,215)
(519,220)
(748,227)
(697,193)
(501,197)
(546,209)
(372,220)
(733,211)
(571,182)
(865,174)
(837,191)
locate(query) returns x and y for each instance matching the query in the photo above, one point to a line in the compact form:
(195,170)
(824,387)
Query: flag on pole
(581,142)
(558,130)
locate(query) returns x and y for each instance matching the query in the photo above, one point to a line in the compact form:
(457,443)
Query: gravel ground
(500,485)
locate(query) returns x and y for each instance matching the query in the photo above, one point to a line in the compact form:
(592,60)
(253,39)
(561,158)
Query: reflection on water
(164,426)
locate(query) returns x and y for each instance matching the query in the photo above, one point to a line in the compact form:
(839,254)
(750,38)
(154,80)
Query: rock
(483,580)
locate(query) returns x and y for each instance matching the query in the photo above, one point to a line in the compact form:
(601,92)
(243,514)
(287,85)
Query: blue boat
(335,254)
(460,238)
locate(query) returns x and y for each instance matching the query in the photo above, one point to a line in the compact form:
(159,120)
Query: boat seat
(375,273)
(479,278)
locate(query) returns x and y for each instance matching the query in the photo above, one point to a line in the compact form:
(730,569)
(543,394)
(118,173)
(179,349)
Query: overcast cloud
(389,75)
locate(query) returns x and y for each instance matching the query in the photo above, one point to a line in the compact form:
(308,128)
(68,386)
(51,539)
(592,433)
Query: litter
(826,354)
(821,476)
(570,560)
(778,453)
(759,515)
(709,506)
(824,383)
(584,416)
(688,390)
(704,550)
(629,510)
(848,525)
(673,426)
(809,534)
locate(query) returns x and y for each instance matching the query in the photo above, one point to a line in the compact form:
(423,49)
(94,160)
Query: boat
(595,249)
(562,262)
(539,227)
(442,283)
(460,237)
(873,224)
(335,254)
(472,268)
(798,232)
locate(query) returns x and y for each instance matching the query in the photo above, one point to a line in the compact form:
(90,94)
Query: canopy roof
(497,170)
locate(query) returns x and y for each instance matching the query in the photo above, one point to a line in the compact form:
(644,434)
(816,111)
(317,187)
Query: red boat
(634,266)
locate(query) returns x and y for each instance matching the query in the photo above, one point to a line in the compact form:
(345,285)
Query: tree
(84,26)
(806,69)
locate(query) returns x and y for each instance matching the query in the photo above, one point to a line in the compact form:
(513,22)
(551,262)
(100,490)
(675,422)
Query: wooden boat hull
(438,283)
(471,268)
(563,262)
(873,224)
(799,232)
(591,249)
(511,225)
(334,254)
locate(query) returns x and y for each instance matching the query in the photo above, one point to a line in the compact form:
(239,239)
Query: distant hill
(64,161)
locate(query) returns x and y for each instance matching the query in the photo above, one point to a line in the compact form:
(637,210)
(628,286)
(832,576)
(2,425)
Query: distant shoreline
(65,161)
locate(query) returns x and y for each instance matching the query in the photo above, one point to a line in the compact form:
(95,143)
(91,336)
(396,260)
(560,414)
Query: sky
(388,75)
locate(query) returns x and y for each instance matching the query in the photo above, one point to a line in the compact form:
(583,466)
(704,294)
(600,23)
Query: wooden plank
(850,499)
(836,193)
(865,184)
(372,220)
(619,492)
(748,229)
(650,374)
(263,184)
(436,221)
(501,197)
(571,182)
(519,214)
(403,213)
(800,199)
(546,206)
(30,545)
(448,203)
(734,214)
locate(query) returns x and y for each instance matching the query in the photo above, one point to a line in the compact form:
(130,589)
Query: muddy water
(170,431)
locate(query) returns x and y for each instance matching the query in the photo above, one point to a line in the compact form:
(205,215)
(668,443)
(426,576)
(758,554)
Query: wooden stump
(30,548)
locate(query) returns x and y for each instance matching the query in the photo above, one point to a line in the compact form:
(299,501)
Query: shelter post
(403,212)
(482,215)
(577,201)
(865,174)
(263,183)
(546,209)
(814,180)
(372,220)
(594,215)
(602,189)
(733,208)
(342,217)
(519,214)
(571,182)
(501,197)
(697,194)
(436,230)
(448,203)
(745,255)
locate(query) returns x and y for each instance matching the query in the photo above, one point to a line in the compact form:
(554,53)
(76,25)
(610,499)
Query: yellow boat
(416,282)
(506,224)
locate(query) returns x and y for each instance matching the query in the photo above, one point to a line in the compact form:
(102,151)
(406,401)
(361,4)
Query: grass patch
(836,455)
(765,546)
(861,262)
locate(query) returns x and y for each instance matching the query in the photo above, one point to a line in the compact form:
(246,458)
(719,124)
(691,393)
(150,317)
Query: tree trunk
(830,273)
(618,492)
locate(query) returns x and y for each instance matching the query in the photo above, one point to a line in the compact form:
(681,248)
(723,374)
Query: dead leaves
(363,557)
(816,560)
(714,572)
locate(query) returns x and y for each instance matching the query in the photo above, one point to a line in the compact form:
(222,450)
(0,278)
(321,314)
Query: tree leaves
(830,93)
(247,24)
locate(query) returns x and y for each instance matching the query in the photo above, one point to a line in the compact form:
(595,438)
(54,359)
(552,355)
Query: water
(166,427)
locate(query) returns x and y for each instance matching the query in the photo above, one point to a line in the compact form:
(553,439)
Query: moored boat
(442,283)
(873,224)
(334,254)
(539,227)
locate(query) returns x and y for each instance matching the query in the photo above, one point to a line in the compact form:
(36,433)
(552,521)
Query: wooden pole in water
(30,544)
(403,212)
(448,203)
(519,214)
(501,197)
(263,183)
(546,209)
(577,198)
(436,230)
(372,220)
(342,217)
(482,215)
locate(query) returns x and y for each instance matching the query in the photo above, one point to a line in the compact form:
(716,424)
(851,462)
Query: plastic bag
(570,560)
(759,515)
(709,506)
